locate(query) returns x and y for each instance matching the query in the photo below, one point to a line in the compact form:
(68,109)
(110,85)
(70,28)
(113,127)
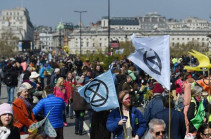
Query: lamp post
(109,26)
(80,12)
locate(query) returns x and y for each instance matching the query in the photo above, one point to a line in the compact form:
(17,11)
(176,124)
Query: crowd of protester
(51,84)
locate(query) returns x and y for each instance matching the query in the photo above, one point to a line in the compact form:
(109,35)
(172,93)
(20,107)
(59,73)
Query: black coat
(177,122)
(15,134)
(79,103)
(12,71)
(98,128)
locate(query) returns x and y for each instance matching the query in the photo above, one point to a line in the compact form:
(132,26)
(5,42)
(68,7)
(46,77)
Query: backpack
(8,80)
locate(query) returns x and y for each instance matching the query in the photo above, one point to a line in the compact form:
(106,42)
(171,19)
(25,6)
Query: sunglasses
(207,135)
(158,133)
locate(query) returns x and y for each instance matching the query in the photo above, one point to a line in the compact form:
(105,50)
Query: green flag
(197,121)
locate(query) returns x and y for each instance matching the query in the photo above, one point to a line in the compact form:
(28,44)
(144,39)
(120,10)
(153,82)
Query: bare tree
(8,44)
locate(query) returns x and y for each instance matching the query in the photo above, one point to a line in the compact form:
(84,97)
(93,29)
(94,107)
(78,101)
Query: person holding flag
(196,110)
(126,121)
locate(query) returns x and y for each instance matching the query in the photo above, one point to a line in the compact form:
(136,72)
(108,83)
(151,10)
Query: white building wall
(93,42)
(18,21)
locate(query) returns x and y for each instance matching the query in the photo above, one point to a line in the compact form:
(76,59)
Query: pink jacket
(179,84)
(61,93)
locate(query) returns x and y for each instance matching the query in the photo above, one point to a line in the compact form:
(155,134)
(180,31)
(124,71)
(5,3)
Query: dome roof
(152,14)
(60,26)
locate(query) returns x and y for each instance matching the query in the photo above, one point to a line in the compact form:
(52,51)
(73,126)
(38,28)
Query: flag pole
(209,95)
(121,119)
(169,134)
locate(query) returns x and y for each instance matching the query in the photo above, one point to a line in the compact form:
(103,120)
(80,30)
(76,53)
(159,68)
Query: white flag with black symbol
(152,55)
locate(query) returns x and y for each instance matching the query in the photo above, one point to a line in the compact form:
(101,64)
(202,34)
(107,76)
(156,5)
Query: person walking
(11,80)
(57,106)
(60,91)
(55,77)
(69,84)
(177,119)
(79,106)
(23,115)
(156,104)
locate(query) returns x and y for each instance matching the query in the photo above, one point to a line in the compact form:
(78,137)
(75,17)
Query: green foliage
(8,42)
(128,47)
(179,50)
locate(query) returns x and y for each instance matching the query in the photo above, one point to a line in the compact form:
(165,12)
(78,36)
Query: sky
(51,12)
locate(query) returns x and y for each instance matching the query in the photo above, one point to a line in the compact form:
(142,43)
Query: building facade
(95,38)
(18,22)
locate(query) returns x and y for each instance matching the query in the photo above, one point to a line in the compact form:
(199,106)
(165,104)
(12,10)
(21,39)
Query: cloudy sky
(50,12)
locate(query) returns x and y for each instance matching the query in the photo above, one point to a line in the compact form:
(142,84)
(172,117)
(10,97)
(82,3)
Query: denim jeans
(79,119)
(64,114)
(71,109)
(90,112)
(10,96)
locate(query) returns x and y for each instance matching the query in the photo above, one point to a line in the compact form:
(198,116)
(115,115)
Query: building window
(87,44)
(172,38)
(93,44)
(100,44)
(182,38)
(177,38)
(192,39)
(197,38)
(187,38)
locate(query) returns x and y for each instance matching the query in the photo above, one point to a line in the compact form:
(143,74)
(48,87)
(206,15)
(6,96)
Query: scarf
(28,105)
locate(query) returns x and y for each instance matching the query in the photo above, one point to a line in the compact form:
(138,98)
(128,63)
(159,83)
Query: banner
(100,92)
(48,128)
(152,55)
(197,121)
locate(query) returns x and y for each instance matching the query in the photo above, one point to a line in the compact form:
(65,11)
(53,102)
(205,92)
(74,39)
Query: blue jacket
(177,122)
(41,72)
(153,107)
(46,104)
(137,121)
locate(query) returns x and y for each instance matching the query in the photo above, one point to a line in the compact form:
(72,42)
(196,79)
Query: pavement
(69,131)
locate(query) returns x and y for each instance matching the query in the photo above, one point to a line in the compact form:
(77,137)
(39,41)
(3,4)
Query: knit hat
(5,108)
(132,75)
(21,88)
(158,88)
(28,85)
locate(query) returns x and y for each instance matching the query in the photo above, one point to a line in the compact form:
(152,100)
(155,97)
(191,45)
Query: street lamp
(80,12)
(108,26)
